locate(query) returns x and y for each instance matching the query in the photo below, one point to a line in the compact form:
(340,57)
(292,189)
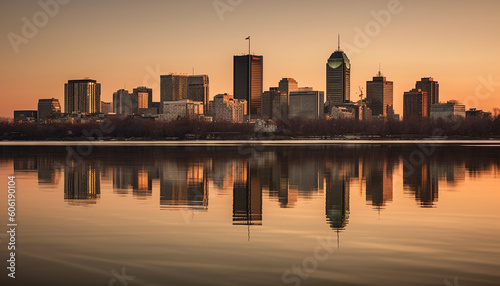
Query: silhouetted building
(274,104)
(379,94)
(476,113)
(48,108)
(198,90)
(106,107)
(338,78)
(306,104)
(415,104)
(431,87)
(248,81)
(173,87)
(144,97)
(25,116)
(83,96)
(287,85)
(124,103)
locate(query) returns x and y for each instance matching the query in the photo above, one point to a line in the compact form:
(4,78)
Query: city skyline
(48,59)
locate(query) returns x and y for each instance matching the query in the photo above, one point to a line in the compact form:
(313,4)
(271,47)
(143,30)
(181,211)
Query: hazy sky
(130,43)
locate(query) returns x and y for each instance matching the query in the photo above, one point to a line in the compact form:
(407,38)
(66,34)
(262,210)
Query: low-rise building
(47,108)
(184,108)
(447,111)
(306,104)
(25,116)
(226,108)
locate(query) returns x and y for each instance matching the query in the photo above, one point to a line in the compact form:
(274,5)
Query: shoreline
(233,143)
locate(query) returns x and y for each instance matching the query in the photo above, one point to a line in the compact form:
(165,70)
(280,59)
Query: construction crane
(361,94)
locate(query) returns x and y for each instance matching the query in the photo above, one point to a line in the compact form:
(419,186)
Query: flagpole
(249,46)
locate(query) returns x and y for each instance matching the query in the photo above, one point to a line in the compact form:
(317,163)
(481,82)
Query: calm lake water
(337,215)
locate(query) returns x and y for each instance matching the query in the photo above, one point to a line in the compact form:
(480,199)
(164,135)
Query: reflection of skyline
(82,184)
(183,185)
(287,175)
(247,197)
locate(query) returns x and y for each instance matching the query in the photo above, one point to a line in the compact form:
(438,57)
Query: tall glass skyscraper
(83,95)
(247,81)
(338,78)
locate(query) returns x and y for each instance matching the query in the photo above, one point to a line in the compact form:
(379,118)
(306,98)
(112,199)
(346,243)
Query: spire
(339,43)
(379,70)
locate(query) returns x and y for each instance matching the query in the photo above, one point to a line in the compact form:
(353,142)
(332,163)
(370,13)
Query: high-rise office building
(173,87)
(83,95)
(198,89)
(248,81)
(415,104)
(379,93)
(124,103)
(430,86)
(338,78)
(47,107)
(287,85)
(144,97)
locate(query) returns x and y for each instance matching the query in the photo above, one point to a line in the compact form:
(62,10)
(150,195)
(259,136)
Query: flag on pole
(248,38)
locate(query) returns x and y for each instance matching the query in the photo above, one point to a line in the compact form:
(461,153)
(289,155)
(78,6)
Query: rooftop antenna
(339,43)
(379,69)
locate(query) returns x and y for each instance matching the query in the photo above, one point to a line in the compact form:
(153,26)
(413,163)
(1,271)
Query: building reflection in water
(337,196)
(247,196)
(421,182)
(139,179)
(378,173)
(82,184)
(183,185)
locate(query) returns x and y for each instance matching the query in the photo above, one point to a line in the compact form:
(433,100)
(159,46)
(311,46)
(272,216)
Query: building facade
(287,85)
(306,104)
(415,104)
(198,89)
(380,95)
(447,111)
(338,78)
(181,109)
(173,87)
(25,116)
(227,108)
(83,96)
(427,84)
(124,103)
(47,108)
(106,107)
(144,97)
(248,81)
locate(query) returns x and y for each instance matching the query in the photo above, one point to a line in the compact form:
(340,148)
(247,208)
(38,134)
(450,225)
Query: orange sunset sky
(130,43)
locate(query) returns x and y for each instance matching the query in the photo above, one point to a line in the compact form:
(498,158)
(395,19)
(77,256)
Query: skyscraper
(430,86)
(83,95)
(287,85)
(247,81)
(124,103)
(379,93)
(198,89)
(172,87)
(415,104)
(144,97)
(338,78)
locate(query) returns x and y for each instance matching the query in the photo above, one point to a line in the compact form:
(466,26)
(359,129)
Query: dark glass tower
(247,81)
(338,78)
